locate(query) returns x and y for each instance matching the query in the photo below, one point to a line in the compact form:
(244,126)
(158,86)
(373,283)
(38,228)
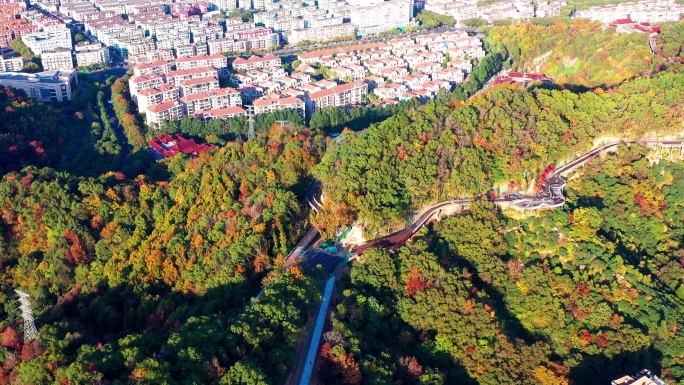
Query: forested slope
(507,135)
(577,295)
(146,280)
(582,53)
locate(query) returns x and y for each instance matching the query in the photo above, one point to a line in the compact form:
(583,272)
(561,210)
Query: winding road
(550,196)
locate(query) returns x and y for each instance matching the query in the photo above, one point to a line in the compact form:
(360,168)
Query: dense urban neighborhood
(342,192)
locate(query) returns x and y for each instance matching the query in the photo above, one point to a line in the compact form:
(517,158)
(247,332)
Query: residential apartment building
(196,85)
(210,100)
(176,77)
(652,11)
(91,54)
(44,86)
(157,95)
(324,33)
(226,45)
(378,16)
(256,61)
(265,105)
(643,377)
(217,61)
(11,63)
(338,96)
(159,67)
(156,114)
(222,113)
(137,83)
(154,55)
(61,60)
(225,5)
(46,41)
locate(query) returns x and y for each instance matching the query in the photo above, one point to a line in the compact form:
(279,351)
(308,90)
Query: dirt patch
(569,63)
(354,237)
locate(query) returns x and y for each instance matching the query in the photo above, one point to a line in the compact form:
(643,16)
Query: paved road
(550,190)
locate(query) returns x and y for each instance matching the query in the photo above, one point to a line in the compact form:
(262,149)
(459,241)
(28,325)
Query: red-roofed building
(159,67)
(264,105)
(137,83)
(256,61)
(193,86)
(210,100)
(158,113)
(216,60)
(168,146)
(221,113)
(176,77)
(338,96)
(157,95)
(521,77)
(629,26)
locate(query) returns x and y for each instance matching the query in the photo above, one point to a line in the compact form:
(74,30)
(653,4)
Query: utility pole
(30,331)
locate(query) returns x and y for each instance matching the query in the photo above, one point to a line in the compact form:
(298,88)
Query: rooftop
(168,146)
(209,94)
(162,106)
(40,77)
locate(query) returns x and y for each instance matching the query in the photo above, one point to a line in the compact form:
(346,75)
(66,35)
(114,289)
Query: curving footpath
(550,196)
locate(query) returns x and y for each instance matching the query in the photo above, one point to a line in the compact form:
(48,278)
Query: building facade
(45,86)
(61,60)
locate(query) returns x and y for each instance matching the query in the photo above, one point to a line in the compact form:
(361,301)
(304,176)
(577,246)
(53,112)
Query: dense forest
(505,136)
(146,280)
(580,53)
(144,272)
(577,295)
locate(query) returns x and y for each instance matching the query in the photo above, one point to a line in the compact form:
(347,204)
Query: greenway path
(550,195)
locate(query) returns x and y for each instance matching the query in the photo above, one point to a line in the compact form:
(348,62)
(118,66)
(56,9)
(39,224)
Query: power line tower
(282,122)
(30,331)
(251,133)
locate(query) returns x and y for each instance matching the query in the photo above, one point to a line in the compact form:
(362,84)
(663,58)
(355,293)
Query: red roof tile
(162,106)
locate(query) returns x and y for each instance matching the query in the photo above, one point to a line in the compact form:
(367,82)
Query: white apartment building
(210,100)
(44,86)
(338,96)
(653,11)
(159,67)
(263,42)
(176,77)
(325,33)
(222,113)
(45,41)
(217,61)
(11,64)
(264,105)
(379,16)
(255,61)
(91,54)
(193,86)
(61,60)
(156,114)
(163,93)
(225,5)
(549,9)
(137,83)
(226,45)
